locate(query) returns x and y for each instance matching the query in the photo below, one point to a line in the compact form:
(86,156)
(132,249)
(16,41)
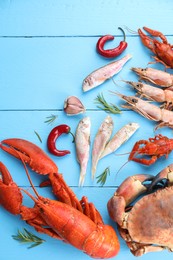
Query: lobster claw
(147,41)
(40,162)
(31,154)
(10,195)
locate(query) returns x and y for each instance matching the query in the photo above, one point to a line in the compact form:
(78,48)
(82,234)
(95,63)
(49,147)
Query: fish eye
(134,100)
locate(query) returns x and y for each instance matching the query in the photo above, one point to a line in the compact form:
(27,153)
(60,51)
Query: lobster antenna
(130,30)
(29,178)
(115,83)
(27,173)
(121,168)
(119,154)
(32,197)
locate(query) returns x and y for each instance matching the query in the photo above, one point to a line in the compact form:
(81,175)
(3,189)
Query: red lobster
(155,148)
(75,222)
(163,50)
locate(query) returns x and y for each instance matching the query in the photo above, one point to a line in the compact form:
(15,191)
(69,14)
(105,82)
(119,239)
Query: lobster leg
(137,150)
(150,161)
(34,219)
(90,211)
(68,197)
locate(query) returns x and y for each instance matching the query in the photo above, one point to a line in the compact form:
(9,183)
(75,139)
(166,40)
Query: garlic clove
(73,106)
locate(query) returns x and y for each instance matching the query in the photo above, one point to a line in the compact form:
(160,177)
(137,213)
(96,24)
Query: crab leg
(130,189)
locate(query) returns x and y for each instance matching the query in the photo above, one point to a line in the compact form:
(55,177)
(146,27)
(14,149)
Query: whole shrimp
(155,76)
(152,93)
(148,110)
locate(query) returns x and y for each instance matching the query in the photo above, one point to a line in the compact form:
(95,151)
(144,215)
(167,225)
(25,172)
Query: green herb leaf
(109,108)
(102,177)
(28,237)
(50,119)
(38,136)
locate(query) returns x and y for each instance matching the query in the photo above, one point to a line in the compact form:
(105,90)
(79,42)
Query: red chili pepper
(111,53)
(54,134)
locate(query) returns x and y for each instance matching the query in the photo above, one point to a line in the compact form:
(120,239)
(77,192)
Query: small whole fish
(119,138)
(82,141)
(100,75)
(102,137)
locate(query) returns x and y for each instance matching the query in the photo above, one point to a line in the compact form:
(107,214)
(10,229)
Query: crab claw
(10,195)
(165,175)
(31,154)
(127,192)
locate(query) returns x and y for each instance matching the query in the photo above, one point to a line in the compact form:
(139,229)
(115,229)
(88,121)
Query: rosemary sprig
(39,138)
(102,177)
(109,108)
(28,237)
(50,119)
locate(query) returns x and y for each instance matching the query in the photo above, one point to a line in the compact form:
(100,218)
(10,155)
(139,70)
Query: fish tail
(93,171)
(81,178)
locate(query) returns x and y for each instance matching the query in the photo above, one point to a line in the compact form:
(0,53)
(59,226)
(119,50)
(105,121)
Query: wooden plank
(46,50)
(22,124)
(52,247)
(40,73)
(86,17)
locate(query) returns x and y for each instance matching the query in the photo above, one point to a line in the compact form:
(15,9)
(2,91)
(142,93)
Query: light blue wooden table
(46,50)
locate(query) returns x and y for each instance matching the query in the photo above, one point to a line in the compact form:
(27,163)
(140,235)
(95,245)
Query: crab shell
(151,219)
(147,225)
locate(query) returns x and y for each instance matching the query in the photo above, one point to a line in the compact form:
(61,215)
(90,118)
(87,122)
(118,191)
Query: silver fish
(102,137)
(100,75)
(119,138)
(82,141)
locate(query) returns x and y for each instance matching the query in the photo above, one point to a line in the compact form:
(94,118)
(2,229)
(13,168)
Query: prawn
(148,110)
(152,93)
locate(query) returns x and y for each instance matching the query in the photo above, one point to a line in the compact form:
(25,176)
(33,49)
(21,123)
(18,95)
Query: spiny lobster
(75,222)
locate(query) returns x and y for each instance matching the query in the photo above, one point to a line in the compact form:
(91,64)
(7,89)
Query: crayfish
(163,50)
(75,222)
(154,148)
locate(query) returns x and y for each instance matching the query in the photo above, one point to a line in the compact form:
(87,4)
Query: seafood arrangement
(142,225)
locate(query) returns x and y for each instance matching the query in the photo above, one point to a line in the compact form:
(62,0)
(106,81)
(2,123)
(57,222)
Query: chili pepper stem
(72,136)
(124,35)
